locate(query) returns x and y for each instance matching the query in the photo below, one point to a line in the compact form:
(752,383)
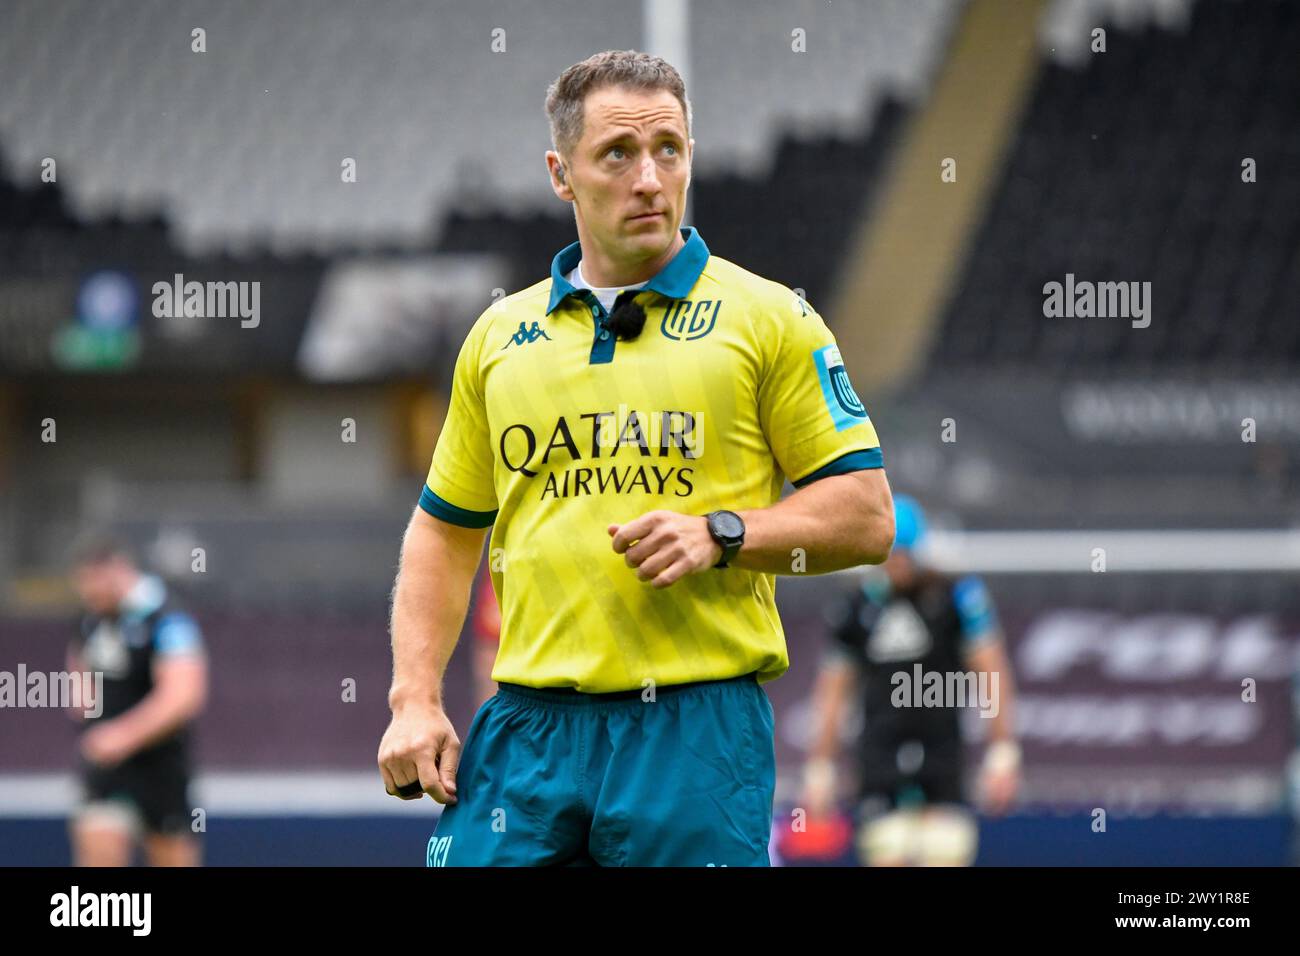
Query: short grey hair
(565,98)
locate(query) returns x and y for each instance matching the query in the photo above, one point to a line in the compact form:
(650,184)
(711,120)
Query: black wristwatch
(728,530)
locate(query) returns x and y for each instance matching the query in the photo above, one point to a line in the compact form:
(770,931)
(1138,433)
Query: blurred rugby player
(912,806)
(135,755)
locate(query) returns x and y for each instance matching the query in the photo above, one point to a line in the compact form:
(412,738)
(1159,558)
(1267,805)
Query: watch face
(728,525)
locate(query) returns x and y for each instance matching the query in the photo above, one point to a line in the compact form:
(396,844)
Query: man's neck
(604,274)
(582,280)
(137,592)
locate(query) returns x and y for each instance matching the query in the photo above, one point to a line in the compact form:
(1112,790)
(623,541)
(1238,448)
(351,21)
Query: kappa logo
(525,335)
(685,320)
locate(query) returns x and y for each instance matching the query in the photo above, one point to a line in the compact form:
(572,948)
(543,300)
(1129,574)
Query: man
(625,426)
(135,763)
(911,802)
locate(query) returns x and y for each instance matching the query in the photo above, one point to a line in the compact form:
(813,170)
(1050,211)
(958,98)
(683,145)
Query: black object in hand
(410,789)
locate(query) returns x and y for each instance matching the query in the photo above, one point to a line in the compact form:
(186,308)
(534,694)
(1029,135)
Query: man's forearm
(1002,723)
(837,522)
(429,604)
(156,717)
(990,657)
(834,682)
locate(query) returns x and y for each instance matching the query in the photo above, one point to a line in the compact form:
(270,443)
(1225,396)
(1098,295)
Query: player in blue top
(134,750)
(920,646)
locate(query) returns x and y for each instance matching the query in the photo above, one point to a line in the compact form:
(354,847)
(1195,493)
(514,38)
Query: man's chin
(649,235)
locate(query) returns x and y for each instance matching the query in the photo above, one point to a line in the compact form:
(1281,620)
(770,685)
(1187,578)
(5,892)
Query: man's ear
(559,176)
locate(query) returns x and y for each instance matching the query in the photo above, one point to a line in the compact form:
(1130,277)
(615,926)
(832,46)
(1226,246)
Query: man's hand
(819,788)
(107,745)
(89,703)
(999,779)
(420,746)
(664,546)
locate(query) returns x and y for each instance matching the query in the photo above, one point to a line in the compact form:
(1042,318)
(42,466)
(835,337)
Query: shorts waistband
(569,696)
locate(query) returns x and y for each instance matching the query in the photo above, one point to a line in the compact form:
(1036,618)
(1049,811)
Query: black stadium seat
(1130,170)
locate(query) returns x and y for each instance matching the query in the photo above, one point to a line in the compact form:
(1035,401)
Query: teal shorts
(562,778)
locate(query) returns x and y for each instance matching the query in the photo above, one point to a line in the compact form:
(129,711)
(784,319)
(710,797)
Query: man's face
(629,172)
(900,567)
(101,585)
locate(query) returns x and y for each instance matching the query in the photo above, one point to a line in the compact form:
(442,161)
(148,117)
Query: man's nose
(648,180)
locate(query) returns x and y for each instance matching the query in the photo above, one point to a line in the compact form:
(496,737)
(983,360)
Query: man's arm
(990,656)
(75,666)
(180,686)
(429,603)
(837,522)
(836,680)
(1000,774)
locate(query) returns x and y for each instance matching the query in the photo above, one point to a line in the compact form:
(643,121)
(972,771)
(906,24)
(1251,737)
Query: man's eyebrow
(660,131)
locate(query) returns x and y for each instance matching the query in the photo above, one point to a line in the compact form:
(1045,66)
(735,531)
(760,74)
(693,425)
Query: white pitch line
(1126,551)
(335,794)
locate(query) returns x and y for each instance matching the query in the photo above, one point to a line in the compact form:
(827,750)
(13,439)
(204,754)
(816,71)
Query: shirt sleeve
(459,488)
(177,634)
(979,620)
(812,418)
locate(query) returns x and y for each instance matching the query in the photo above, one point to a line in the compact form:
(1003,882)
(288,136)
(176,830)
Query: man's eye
(671,147)
(615,149)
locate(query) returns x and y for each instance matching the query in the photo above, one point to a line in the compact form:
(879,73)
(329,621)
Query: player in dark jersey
(134,756)
(920,646)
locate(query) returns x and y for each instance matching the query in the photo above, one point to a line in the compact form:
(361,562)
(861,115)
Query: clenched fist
(664,546)
(420,746)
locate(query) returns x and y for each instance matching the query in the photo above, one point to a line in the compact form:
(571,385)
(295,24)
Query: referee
(625,427)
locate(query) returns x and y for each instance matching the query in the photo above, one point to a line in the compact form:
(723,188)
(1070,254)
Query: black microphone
(627,318)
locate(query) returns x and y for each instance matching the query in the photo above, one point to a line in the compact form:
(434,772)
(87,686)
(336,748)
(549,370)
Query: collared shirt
(557,430)
(607,295)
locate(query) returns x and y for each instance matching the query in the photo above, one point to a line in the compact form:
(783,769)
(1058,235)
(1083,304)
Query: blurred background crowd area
(291,450)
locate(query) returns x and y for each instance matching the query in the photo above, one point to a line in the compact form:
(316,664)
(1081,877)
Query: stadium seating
(118,106)
(1130,169)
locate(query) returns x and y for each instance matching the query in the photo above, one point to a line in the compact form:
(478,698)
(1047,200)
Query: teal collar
(673,281)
